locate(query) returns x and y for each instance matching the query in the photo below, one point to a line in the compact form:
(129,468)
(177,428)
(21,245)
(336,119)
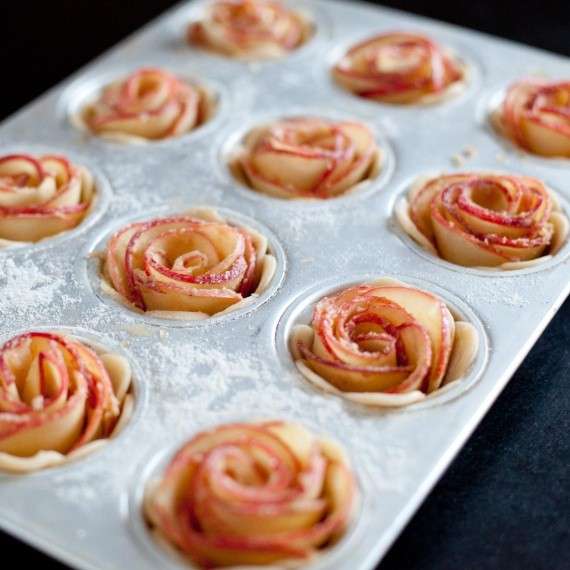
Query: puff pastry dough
(307,158)
(383,344)
(189,266)
(59,400)
(41,197)
(401,68)
(253,495)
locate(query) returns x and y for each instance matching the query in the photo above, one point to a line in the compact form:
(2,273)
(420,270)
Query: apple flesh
(308,157)
(253,494)
(397,68)
(535,115)
(41,197)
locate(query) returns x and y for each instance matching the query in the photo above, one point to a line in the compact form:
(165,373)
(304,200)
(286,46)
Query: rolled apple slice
(59,400)
(485,219)
(401,68)
(307,158)
(250,29)
(535,115)
(384,344)
(41,196)
(253,494)
(188,266)
(148,105)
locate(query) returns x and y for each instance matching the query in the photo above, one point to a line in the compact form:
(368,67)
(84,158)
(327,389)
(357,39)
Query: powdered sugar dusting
(501,291)
(198,370)
(25,288)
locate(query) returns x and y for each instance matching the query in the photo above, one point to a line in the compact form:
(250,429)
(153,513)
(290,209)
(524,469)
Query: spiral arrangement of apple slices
(253,494)
(41,197)
(400,68)
(59,400)
(250,29)
(485,219)
(307,158)
(150,104)
(535,115)
(383,344)
(187,266)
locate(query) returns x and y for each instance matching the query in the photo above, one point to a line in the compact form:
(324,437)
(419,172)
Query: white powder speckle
(24,287)
(195,368)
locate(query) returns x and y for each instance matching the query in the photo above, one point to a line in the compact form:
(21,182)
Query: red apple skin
(192,467)
(137,277)
(69,183)
(423,346)
(526,104)
(98,391)
(467,233)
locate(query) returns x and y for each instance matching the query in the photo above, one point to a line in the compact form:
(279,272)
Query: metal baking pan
(191,375)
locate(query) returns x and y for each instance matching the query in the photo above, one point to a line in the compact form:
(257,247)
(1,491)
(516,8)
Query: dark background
(505,501)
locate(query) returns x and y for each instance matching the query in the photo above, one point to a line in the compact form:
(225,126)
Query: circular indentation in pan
(486,110)
(540,265)
(132,410)
(456,96)
(99,204)
(231,172)
(87,89)
(300,312)
(316,40)
(96,249)
(169,557)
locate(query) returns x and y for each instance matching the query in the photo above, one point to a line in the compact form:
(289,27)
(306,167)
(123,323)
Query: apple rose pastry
(400,68)
(189,266)
(484,219)
(307,157)
(383,344)
(148,105)
(41,197)
(253,494)
(250,29)
(59,400)
(535,115)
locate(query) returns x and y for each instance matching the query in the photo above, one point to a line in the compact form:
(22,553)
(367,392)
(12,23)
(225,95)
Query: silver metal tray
(193,375)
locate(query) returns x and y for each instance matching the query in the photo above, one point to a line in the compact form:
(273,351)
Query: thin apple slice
(432,314)
(460,247)
(170,297)
(544,138)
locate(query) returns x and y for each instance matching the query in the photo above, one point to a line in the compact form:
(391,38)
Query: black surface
(505,501)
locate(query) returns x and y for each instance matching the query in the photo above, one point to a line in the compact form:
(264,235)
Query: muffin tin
(192,375)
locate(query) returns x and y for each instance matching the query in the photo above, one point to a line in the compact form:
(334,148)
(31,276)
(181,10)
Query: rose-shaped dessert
(400,68)
(250,29)
(188,266)
(59,400)
(253,494)
(307,157)
(383,344)
(148,105)
(535,115)
(484,219)
(41,197)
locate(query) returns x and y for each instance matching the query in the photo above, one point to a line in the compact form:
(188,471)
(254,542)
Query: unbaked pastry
(250,29)
(401,68)
(59,400)
(150,104)
(187,266)
(384,344)
(41,196)
(253,495)
(307,158)
(535,115)
(484,219)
